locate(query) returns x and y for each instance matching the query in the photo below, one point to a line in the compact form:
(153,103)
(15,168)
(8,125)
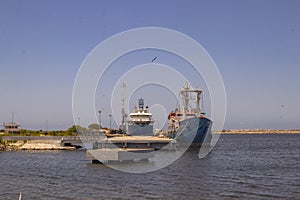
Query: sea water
(239,167)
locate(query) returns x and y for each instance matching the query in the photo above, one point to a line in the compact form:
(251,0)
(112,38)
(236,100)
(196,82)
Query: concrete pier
(119,155)
(128,148)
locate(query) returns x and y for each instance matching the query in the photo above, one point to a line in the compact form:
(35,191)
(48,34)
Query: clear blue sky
(255,44)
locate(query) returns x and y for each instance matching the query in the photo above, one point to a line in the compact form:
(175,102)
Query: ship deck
(139,139)
(134,142)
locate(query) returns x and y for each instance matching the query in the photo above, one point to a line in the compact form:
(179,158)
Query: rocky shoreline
(257,131)
(2,147)
(34,145)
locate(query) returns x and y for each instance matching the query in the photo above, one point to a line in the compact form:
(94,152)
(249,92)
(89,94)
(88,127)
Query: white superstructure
(140,121)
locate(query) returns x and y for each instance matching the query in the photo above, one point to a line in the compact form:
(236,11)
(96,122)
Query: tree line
(71,131)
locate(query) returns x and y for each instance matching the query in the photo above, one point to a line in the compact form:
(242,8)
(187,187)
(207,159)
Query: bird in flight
(154,59)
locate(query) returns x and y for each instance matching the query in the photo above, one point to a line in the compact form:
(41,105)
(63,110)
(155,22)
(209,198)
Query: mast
(198,92)
(141,104)
(185,99)
(123,126)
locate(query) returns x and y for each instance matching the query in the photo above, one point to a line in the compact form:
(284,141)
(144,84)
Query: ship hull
(195,132)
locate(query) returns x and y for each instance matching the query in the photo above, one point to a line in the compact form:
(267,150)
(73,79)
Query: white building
(11,127)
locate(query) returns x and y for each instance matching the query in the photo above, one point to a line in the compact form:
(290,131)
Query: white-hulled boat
(140,121)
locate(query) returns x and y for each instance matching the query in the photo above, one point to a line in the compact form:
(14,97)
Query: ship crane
(185,99)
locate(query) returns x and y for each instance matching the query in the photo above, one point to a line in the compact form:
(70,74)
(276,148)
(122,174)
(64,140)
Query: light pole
(12,121)
(110,122)
(12,117)
(99,118)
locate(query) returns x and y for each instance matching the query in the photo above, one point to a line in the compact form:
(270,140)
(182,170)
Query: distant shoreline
(257,131)
(46,144)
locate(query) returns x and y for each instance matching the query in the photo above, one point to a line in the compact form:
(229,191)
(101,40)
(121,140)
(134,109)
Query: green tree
(94,127)
(75,129)
(72,129)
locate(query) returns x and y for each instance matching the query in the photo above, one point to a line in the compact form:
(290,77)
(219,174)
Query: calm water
(240,167)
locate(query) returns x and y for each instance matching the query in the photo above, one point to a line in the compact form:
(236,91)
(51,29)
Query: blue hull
(195,131)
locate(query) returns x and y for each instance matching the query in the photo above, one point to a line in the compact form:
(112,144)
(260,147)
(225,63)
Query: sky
(255,45)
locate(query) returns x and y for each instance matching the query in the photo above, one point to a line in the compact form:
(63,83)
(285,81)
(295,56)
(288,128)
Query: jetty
(111,148)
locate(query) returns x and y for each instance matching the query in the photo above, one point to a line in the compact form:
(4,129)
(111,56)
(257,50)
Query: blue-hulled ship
(189,125)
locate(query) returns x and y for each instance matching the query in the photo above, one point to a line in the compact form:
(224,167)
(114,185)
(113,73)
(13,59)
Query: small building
(11,127)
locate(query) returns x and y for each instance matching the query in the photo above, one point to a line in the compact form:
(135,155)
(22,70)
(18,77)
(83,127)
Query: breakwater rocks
(34,145)
(257,131)
(44,145)
(2,147)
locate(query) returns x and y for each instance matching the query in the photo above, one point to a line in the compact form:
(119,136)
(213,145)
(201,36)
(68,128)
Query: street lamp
(110,122)
(99,118)
(12,117)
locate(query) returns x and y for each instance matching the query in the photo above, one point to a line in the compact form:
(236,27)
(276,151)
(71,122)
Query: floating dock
(128,148)
(119,155)
(153,142)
